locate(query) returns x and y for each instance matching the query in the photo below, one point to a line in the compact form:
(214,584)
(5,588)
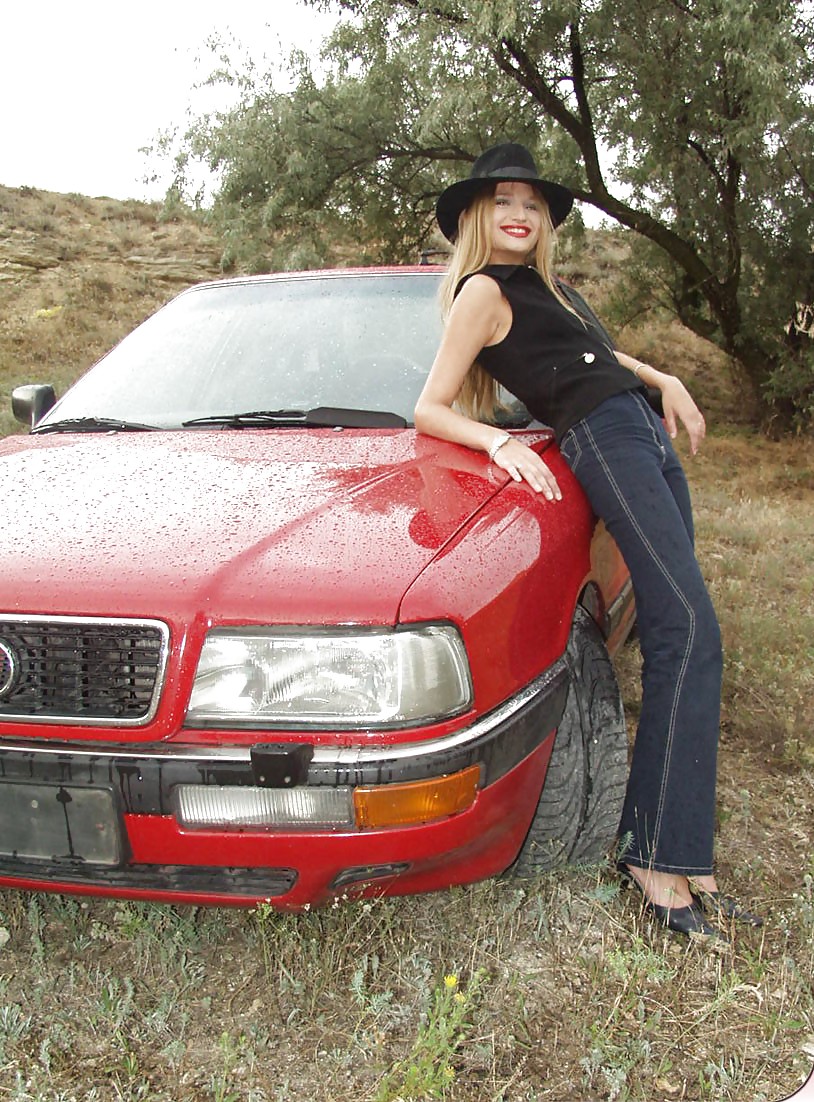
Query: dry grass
(558,989)
(565,993)
(77,274)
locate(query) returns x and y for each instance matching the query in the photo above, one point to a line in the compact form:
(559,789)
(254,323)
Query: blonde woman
(510,322)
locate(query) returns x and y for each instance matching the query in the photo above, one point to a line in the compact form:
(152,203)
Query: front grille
(87,670)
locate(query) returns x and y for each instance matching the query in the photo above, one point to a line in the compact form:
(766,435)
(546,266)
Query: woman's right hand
(676,400)
(523,464)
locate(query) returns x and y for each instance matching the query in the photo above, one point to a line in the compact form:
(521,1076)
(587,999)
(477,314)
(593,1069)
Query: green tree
(687,121)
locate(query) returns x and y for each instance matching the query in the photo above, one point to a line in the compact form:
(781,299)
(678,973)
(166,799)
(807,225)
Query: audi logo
(9,668)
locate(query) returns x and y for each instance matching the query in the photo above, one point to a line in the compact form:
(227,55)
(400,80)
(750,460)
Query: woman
(512,324)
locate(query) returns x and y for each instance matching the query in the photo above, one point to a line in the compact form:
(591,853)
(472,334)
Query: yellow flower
(450,982)
(458,997)
(449,1073)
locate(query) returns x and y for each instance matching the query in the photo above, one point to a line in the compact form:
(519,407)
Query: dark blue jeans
(623,458)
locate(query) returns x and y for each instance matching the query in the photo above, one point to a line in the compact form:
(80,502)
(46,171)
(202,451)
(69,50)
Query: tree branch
(513,60)
(590,153)
(797,170)
(686,10)
(707,162)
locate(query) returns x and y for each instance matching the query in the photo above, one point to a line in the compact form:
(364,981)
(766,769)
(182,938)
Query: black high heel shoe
(687,920)
(720,906)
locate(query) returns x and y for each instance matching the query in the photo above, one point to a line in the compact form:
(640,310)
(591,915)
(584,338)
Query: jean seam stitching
(659,866)
(690,635)
(577,454)
(646,413)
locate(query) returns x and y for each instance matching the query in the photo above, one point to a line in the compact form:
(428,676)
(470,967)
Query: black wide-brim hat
(508,161)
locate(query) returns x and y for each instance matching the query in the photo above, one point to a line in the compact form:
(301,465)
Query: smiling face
(516,222)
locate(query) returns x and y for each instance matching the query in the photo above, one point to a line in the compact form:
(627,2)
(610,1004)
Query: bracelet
(638,368)
(497,444)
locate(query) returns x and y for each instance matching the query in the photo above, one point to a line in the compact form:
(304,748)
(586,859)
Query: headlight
(261,677)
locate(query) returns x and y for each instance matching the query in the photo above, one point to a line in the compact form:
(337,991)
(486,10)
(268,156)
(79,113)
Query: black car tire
(578,813)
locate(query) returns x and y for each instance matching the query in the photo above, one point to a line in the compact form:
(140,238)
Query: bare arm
(676,399)
(478,317)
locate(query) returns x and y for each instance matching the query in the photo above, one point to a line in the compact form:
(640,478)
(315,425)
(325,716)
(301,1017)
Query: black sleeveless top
(560,366)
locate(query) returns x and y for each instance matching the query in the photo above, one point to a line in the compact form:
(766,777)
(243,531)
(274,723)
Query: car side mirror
(31,402)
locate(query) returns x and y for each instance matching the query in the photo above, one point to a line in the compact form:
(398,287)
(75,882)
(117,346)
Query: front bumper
(161,860)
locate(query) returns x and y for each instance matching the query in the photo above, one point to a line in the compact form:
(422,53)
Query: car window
(356,341)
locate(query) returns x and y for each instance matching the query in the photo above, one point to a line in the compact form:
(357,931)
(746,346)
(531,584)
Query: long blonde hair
(479,394)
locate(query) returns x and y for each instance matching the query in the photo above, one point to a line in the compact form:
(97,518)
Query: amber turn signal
(390,805)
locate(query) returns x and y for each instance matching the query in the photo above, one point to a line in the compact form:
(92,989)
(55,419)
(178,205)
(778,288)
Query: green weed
(428,1070)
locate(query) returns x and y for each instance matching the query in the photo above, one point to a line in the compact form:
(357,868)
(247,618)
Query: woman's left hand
(523,464)
(679,406)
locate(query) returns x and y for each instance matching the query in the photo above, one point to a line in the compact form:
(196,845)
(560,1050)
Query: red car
(259,640)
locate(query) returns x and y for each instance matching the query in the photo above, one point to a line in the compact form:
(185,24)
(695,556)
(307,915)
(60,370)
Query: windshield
(353,341)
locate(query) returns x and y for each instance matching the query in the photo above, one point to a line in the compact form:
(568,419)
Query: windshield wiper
(252,419)
(93,424)
(322,417)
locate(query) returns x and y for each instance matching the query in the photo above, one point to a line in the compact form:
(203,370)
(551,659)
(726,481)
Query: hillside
(76,274)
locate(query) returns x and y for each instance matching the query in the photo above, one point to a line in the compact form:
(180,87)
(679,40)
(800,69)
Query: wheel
(581,802)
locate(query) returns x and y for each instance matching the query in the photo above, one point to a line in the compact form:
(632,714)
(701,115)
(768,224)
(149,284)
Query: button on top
(589,357)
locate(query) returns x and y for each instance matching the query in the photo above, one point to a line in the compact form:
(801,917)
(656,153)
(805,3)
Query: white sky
(84,85)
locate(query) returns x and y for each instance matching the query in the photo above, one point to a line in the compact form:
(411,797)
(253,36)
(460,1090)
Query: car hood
(283,526)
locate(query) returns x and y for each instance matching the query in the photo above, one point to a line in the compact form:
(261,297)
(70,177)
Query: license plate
(59,823)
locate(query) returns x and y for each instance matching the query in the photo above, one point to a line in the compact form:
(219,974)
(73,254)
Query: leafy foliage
(687,121)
